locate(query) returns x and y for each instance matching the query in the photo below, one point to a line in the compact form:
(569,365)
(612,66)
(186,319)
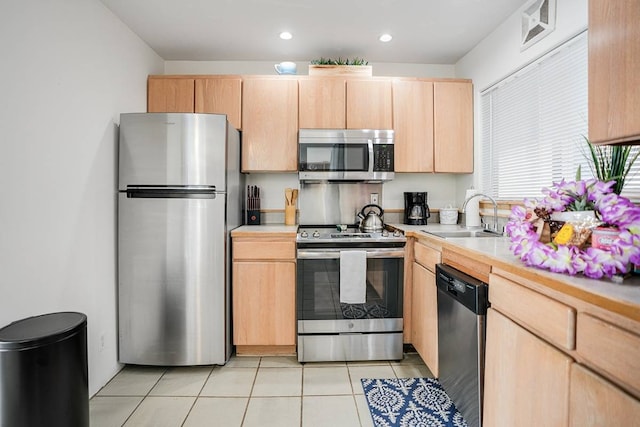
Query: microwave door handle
(371,164)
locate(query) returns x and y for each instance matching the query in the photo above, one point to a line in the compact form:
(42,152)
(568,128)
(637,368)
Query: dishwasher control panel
(469,291)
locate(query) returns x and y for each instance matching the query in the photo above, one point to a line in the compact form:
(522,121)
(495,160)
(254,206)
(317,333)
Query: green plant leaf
(609,163)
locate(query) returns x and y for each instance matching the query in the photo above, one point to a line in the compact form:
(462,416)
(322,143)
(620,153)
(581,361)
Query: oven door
(319,309)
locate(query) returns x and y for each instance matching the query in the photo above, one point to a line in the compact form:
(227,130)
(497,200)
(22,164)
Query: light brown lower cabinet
(595,402)
(526,379)
(264,303)
(424,309)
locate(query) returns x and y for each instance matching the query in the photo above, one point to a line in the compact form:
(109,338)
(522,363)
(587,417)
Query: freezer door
(173,281)
(173,149)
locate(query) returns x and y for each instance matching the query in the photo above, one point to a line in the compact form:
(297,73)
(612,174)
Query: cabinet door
(167,95)
(424,321)
(270,125)
(322,103)
(526,380)
(453,127)
(221,95)
(413,125)
(596,402)
(614,62)
(264,303)
(369,104)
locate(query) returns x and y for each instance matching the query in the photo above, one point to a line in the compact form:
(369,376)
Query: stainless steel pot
(371,222)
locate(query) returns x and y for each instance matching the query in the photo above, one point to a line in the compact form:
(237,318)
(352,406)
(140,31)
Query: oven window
(336,157)
(318,290)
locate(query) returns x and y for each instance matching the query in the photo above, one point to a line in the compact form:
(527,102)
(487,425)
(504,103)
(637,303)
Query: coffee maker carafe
(416,210)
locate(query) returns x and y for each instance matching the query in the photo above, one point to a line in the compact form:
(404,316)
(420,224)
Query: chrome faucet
(495,209)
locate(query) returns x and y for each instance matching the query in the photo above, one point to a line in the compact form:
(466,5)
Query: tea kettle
(371,222)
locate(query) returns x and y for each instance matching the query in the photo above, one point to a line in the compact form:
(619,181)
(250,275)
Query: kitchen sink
(463,233)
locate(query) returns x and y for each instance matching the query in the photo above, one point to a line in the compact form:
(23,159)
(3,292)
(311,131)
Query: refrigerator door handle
(169,192)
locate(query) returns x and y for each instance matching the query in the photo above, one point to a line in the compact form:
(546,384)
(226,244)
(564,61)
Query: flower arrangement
(610,209)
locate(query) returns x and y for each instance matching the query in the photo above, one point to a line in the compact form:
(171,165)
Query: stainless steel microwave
(345,155)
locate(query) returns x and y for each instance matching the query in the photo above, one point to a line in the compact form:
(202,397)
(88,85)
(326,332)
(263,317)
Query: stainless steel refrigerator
(179,197)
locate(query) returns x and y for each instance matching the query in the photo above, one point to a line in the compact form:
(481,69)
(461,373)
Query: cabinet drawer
(263,250)
(426,256)
(610,349)
(542,315)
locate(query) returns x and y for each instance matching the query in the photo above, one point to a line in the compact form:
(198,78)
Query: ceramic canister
(448,215)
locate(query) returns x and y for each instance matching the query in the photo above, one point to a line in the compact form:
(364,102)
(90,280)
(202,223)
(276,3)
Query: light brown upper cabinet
(211,94)
(170,95)
(322,103)
(614,71)
(270,124)
(220,95)
(413,125)
(369,104)
(453,127)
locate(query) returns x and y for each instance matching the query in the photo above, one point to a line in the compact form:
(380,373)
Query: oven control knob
(316,234)
(351,325)
(304,234)
(397,233)
(385,233)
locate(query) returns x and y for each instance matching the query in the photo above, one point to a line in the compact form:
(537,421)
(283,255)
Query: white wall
(69,67)
(499,55)
(266,68)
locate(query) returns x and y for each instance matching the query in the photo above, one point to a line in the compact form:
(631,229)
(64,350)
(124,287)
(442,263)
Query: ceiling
(424,31)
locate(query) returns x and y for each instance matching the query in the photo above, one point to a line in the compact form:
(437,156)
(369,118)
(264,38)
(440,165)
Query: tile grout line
(253,384)
(144,397)
(197,396)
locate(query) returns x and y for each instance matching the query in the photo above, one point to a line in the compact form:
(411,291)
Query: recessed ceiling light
(385,38)
(285,35)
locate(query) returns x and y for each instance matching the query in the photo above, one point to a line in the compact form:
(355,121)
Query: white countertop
(265,229)
(497,249)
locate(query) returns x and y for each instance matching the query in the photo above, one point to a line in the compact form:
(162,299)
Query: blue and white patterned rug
(410,402)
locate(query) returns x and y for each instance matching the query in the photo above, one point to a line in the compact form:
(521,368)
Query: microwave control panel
(383,158)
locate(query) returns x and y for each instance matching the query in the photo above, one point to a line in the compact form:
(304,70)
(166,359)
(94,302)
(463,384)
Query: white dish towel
(353,277)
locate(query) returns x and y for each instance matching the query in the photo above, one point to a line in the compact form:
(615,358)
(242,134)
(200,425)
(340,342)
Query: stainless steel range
(349,294)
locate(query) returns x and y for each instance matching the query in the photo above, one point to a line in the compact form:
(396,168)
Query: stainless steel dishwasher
(462,309)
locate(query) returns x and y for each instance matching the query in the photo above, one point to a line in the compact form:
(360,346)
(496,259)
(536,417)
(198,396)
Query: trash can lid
(39,330)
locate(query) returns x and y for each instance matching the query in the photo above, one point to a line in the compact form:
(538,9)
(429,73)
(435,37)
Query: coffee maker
(416,210)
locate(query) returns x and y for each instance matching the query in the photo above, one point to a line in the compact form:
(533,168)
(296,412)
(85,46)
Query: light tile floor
(247,392)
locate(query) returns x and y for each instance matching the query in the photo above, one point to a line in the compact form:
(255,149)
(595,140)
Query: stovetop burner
(344,235)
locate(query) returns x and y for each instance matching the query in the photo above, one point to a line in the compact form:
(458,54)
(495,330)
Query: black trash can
(43,372)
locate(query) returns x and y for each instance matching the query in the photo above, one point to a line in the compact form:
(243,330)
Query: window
(534,124)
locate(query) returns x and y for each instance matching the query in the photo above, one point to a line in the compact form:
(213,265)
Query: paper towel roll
(472,211)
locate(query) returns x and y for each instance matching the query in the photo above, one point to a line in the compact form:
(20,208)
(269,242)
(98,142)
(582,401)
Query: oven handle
(335,253)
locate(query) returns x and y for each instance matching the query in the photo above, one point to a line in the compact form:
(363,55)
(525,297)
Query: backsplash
(442,189)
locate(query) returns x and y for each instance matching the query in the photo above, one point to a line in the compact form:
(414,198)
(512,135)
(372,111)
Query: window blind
(534,123)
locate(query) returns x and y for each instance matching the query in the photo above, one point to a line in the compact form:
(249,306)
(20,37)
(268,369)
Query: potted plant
(611,162)
(340,66)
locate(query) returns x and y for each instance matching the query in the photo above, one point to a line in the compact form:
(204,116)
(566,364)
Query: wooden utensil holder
(289,215)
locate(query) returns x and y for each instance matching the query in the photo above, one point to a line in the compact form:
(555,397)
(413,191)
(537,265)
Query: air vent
(538,20)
